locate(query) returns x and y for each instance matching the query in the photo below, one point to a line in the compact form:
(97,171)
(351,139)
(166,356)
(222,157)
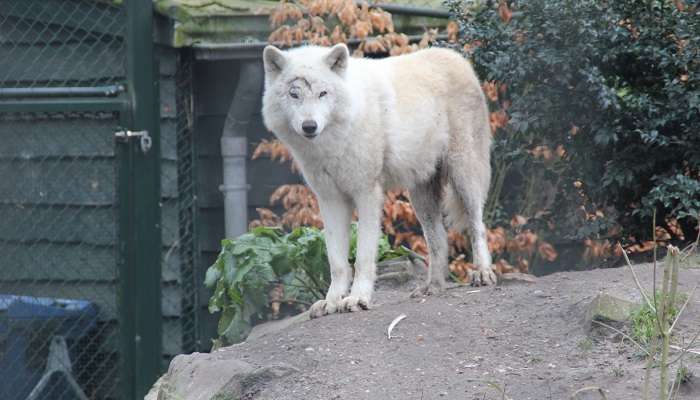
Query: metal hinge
(144,138)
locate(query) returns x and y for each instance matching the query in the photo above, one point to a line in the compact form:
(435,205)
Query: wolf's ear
(274,60)
(337,58)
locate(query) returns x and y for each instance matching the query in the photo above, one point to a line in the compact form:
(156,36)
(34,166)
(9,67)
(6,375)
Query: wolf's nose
(309,126)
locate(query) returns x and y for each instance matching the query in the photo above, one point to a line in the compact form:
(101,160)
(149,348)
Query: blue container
(27,325)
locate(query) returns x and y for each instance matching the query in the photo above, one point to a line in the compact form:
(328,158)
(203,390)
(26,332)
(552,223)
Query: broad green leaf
(229,268)
(212,275)
(237,330)
(225,320)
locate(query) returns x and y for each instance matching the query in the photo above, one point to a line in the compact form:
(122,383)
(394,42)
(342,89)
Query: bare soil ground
(527,339)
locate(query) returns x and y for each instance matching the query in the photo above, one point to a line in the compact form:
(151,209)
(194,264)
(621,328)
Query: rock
(215,376)
(153,393)
(261,376)
(401,264)
(515,277)
(608,308)
(273,327)
(395,278)
(397,272)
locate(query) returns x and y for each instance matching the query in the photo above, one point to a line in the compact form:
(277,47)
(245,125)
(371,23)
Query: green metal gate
(80,234)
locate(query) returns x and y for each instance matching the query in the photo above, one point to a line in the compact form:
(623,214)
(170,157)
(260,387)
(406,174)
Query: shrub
(596,112)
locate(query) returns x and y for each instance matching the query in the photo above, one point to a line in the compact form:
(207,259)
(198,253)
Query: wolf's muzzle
(309,127)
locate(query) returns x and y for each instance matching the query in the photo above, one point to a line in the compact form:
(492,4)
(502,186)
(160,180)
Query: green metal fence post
(140,232)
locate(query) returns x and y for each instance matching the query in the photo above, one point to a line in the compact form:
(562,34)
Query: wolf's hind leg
(336,213)
(369,210)
(427,201)
(472,190)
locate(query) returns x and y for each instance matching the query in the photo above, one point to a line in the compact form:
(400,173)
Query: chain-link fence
(61,43)
(59,275)
(181,279)
(59,312)
(62,78)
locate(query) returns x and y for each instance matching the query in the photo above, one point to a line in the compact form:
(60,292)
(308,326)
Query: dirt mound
(527,339)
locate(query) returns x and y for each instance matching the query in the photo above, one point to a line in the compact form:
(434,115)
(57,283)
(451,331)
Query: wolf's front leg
(369,210)
(336,213)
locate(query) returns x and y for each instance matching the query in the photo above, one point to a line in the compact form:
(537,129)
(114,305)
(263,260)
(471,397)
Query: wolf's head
(303,88)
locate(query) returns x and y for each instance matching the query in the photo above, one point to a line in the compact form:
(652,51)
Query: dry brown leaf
(560,151)
(504,11)
(452,31)
(596,249)
(338,36)
(361,29)
(378,20)
(458,242)
(547,251)
(518,221)
(675,228)
(662,234)
(523,265)
(490,89)
(496,239)
(460,268)
(497,120)
(374,46)
(348,14)
(503,267)
(641,247)
(318,7)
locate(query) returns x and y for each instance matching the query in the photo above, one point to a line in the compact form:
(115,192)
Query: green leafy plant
(259,271)
(617,372)
(645,325)
(683,375)
(679,194)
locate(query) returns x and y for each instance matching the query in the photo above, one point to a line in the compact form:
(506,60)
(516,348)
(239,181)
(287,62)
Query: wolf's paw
(353,304)
(323,307)
(482,277)
(428,289)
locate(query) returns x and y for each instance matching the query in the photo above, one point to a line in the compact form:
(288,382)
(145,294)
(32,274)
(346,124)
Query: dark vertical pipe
(140,240)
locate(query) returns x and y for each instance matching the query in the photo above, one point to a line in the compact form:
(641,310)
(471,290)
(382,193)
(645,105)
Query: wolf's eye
(322,94)
(294,94)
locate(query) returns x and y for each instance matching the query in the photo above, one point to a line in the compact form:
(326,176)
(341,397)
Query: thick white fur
(416,121)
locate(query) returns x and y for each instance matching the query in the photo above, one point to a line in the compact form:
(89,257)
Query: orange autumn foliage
(327,22)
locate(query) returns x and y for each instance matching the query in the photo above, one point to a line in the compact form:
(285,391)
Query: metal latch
(144,138)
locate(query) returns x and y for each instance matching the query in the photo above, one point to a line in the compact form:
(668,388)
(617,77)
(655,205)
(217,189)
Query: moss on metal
(235,21)
(188,9)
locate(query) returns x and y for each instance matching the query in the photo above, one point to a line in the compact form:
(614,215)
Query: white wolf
(357,127)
